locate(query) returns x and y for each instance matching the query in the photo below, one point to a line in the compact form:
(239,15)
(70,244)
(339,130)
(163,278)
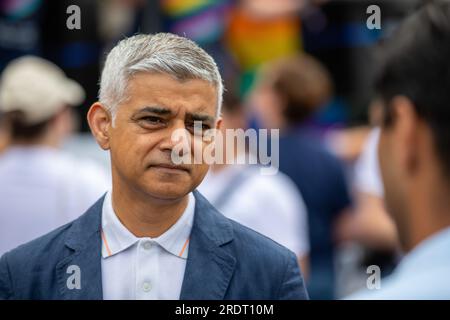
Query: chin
(167,191)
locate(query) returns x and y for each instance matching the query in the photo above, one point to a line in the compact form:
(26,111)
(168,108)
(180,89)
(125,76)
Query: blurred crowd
(303,67)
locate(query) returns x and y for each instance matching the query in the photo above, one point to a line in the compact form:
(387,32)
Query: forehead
(192,95)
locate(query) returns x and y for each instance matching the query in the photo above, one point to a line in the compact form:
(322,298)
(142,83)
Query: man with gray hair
(153,236)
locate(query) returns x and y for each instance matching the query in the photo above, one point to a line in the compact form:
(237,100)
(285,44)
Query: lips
(170,167)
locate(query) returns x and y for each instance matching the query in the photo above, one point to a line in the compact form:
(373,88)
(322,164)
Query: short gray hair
(164,53)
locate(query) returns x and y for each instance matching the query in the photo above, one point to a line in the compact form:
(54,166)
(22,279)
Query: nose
(177,140)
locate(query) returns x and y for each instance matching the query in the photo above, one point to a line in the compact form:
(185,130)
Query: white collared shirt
(143,268)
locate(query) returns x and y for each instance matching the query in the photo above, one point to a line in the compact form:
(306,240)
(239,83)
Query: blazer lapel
(79,274)
(210,264)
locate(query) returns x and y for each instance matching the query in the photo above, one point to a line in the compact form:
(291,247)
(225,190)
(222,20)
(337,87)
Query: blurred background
(304,67)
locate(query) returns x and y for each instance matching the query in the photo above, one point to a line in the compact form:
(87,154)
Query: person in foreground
(153,236)
(414,154)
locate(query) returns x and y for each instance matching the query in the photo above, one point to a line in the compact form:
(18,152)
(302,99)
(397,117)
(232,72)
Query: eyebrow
(155,109)
(166,111)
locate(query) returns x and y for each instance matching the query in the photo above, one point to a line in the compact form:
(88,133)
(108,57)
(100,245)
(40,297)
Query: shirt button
(147,245)
(146,286)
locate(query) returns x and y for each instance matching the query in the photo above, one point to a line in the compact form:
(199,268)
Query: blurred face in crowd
(267,106)
(140,139)
(290,90)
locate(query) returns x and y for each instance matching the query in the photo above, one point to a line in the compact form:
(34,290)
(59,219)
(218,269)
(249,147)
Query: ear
(100,122)
(406,131)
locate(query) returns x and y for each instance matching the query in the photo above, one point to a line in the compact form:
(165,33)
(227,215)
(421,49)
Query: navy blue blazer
(226,261)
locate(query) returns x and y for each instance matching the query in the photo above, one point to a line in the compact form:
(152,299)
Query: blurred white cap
(38,88)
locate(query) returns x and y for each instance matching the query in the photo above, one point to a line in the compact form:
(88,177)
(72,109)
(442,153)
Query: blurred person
(287,93)
(41,187)
(373,226)
(153,236)
(370,226)
(269,204)
(367,236)
(347,143)
(414,153)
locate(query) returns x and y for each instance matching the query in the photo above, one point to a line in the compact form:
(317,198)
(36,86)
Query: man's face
(141,139)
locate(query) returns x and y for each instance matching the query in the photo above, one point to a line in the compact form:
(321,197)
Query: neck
(430,213)
(144,215)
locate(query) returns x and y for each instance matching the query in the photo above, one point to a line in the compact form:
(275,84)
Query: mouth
(170,167)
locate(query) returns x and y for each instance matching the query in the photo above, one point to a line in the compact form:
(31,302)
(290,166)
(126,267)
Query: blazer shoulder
(246,242)
(18,266)
(222,229)
(268,259)
(259,245)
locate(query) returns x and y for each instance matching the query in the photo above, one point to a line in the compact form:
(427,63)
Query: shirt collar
(117,238)
(430,253)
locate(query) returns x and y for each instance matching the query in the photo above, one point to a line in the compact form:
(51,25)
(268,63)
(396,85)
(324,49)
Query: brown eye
(152,120)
